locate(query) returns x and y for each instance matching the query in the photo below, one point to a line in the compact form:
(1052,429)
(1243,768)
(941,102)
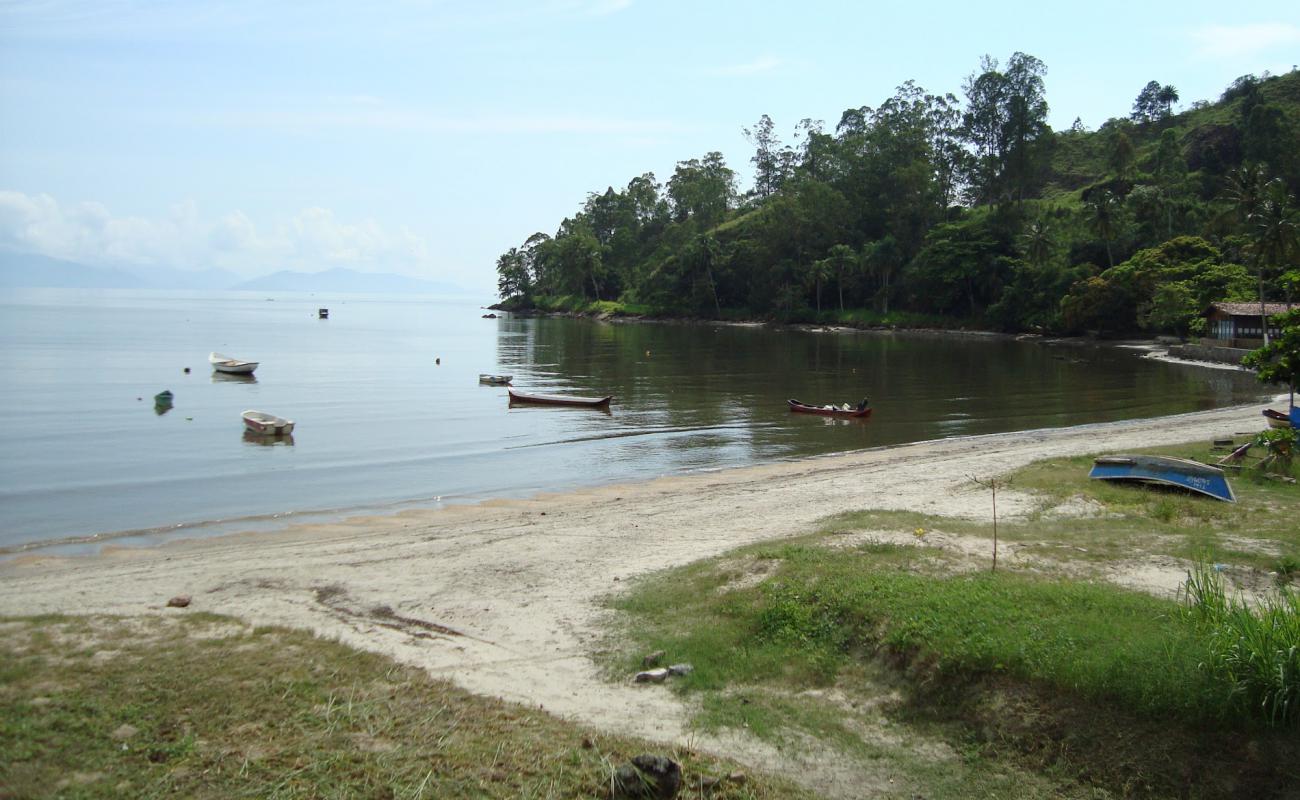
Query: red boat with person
(862,410)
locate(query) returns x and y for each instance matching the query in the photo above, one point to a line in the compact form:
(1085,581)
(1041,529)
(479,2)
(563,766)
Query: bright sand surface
(504,597)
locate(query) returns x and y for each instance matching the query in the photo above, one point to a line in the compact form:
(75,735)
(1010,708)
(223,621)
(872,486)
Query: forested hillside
(927,209)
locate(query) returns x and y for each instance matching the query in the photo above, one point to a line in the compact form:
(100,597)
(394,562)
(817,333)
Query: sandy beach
(503,598)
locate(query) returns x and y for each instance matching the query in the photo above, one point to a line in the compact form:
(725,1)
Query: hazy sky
(426,137)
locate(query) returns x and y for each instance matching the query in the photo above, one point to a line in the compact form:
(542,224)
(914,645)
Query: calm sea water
(383,425)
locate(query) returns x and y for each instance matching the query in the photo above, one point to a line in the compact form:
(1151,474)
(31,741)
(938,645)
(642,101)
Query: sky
(426,137)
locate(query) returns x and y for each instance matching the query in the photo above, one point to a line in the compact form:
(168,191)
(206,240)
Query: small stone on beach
(179,601)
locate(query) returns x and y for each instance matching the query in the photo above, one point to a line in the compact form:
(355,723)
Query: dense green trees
(972,210)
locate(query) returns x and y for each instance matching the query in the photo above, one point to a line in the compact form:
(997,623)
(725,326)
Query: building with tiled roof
(1241,323)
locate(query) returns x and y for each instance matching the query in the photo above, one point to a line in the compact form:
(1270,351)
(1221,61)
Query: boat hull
(1162,470)
(804,408)
(495,380)
(231,366)
(1277,419)
(560,400)
(264,424)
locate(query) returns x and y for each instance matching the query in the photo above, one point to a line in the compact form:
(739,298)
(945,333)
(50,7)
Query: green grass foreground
(1032,670)
(196,705)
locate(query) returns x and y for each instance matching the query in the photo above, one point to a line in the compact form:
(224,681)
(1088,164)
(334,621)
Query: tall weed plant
(1255,651)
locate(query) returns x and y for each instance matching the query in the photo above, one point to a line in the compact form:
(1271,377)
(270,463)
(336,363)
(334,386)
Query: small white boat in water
(266,424)
(231,365)
(495,380)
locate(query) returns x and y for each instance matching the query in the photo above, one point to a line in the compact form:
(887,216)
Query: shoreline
(504,597)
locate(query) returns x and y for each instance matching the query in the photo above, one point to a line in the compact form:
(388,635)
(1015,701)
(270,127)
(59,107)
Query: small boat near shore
(1277,419)
(264,424)
(1164,470)
(232,366)
(830,411)
(559,400)
(495,380)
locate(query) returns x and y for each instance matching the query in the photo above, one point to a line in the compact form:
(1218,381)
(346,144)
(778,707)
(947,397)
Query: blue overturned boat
(1163,470)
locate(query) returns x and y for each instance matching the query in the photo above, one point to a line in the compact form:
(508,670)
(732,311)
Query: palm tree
(818,272)
(700,255)
(1036,242)
(1102,210)
(1244,188)
(1167,96)
(1274,231)
(841,259)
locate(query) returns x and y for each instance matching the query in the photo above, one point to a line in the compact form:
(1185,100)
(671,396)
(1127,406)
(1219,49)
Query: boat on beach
(232,366)
(265,424)
(1277,419)
(495,380)
(1164,470)
(830,411)
(559,400)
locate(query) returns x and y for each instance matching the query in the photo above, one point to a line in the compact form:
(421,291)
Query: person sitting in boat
(863,405)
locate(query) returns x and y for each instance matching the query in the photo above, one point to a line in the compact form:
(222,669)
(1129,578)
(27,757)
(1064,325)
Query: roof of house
(1248,309)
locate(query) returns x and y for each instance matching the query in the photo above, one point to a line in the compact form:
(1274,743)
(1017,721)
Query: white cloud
(1232,41)
(312,240)
(758,66)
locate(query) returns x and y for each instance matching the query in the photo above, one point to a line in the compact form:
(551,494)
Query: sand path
(503,598)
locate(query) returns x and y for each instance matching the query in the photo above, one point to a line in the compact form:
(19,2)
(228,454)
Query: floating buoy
(187,370)
(437,361)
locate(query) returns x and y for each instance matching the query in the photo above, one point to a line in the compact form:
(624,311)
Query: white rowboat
(496,380)
(231,365)
(266,424)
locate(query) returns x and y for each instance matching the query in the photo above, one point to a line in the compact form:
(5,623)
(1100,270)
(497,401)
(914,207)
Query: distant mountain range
(28,270)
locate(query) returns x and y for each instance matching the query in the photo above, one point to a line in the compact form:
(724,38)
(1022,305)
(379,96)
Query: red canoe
(559,400)
(804,408)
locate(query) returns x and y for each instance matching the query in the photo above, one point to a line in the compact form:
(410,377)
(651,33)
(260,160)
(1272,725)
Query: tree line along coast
(927,210)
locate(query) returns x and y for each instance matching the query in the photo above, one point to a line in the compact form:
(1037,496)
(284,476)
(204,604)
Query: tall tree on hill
(815,150)
(1274,234)
(768,159)
(1147,105)
(702,190)
(1103,208)
(1006,124)
(1168,96)
(1026,122)
(982,126)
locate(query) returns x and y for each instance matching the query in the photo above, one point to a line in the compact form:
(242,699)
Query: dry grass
(202,706)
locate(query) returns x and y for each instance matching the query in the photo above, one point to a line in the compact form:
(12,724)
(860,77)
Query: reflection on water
(267,440)
(232,377)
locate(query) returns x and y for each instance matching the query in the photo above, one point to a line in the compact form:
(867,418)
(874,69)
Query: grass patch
(202,706)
